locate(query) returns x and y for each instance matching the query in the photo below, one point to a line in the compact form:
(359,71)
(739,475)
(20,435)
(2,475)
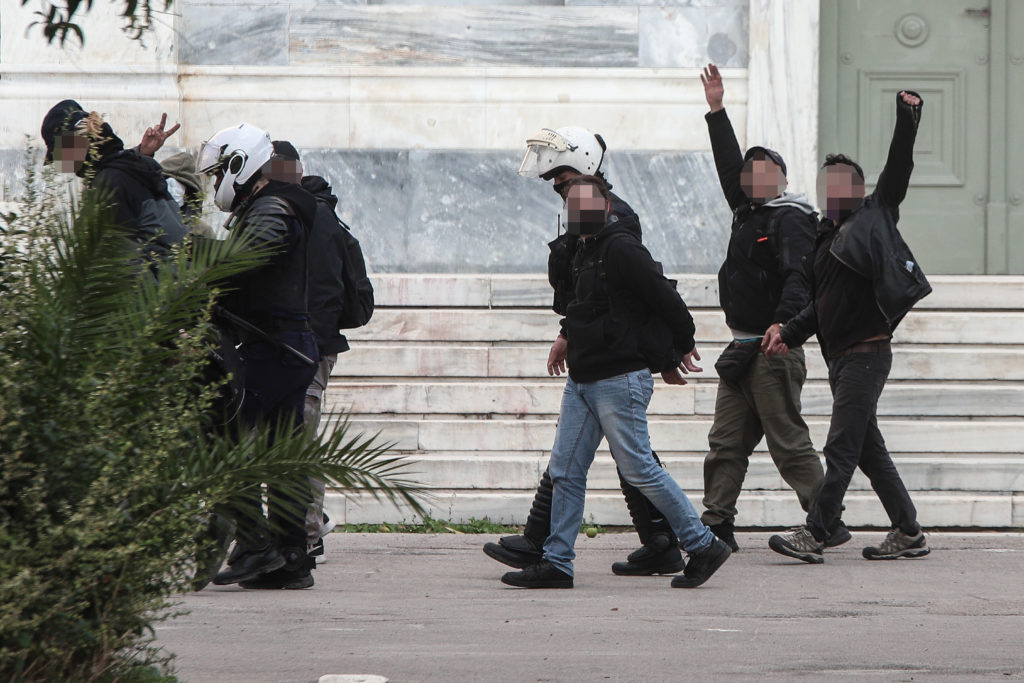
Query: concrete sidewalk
(431,608)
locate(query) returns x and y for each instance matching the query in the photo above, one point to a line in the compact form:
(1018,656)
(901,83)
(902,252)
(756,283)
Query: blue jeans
(615,408)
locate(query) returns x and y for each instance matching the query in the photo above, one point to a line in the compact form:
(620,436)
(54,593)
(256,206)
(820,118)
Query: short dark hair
(596,181)
(836,159)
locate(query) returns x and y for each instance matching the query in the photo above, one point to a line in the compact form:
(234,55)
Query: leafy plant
(57,19)
(110,460)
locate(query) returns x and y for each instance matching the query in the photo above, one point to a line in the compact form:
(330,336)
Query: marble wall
(468,212)
(417,110)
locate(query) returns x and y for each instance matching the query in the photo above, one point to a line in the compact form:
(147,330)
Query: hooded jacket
(140,199)
(621,306)
(762,280)
(865,278)
(326,284)
(563,253)
(274,296)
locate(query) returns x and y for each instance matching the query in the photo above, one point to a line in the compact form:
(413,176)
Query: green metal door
(872,49)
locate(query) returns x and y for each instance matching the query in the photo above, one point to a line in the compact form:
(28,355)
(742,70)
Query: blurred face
(587,210)
(70,153)
(841,191)
(284,170)
(762,179)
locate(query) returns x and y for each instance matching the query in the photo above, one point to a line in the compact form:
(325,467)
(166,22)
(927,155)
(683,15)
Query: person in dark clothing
(761,285)
(273,298)
(559,156)
(622,302)
(84,144)
(326,293)
(864,281)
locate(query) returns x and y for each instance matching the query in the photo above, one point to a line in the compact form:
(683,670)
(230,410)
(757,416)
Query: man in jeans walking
(865,281)
(761,285)
(626,317)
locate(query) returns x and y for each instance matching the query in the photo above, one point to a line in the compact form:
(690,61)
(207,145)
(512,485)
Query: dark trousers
(854,440)
(275,390)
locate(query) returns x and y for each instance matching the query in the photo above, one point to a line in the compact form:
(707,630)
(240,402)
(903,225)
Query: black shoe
(838,537)
(701,565)
(660,556)
(513,558)
(725,531)
(542,574)
(799,543)
(280,578)
(250,564)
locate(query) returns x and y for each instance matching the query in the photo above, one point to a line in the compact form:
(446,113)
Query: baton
(247,326)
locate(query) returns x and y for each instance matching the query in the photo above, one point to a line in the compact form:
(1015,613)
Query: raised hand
(714,90)
(908,99)
(154,137)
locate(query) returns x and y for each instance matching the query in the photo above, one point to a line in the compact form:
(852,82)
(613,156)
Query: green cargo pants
(766,402)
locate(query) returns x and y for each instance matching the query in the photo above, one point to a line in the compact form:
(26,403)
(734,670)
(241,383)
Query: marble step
(684,435)
(519,472)
(543,398)
(960,292)
(422,360)
(529,325)
(755,509)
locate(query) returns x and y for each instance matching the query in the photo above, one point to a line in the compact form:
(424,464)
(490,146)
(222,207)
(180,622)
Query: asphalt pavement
(412,607)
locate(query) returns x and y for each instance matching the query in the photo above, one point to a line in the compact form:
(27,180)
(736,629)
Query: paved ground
(431,608)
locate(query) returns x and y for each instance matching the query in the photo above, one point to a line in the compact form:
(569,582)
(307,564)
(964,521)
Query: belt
(864,347)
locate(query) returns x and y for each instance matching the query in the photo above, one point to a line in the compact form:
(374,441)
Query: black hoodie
(621,300)
(326,284)
(137,191)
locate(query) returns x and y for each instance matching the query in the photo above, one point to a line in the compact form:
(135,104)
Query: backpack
(357,306)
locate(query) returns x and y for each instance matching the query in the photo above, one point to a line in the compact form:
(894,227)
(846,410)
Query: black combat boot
(296,573)
(660,552)
(522,551)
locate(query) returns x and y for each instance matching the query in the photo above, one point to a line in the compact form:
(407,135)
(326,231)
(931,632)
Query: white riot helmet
(239,153)
(549,152)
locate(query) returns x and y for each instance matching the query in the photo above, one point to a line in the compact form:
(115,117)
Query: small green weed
(429,525)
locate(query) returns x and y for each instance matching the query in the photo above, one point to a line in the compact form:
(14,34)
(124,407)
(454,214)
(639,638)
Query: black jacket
(274,296)
(326,284)
(139,197)
(622,300)
(865,278)
(763,279)
(563,249)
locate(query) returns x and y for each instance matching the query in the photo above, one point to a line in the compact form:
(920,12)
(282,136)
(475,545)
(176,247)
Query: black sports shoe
(799,543)
(542,574)
(281,578)
(660,556)
(726,532)
(838,537)
(702,564)
(250,564)
(898,544)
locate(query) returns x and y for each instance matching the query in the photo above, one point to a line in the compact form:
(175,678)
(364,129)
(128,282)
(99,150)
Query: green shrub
(107,472)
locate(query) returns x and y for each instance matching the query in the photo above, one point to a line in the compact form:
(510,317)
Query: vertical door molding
(997,261)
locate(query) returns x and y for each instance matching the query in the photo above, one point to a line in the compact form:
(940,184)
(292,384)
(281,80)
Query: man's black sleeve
(796,242)
(630,266)
(800,327)
(895,176)
(728,157)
